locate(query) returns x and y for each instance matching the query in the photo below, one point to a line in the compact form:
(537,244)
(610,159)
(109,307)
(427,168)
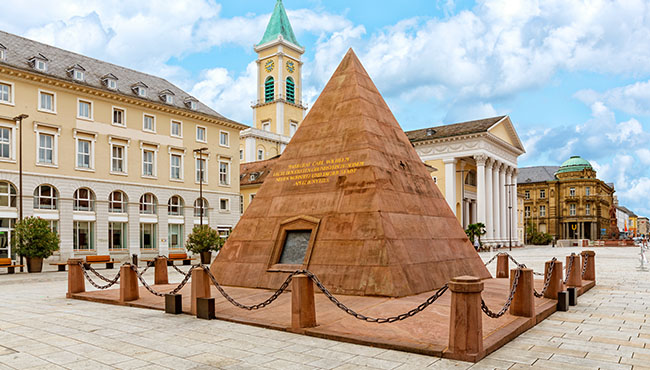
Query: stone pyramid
(350,200)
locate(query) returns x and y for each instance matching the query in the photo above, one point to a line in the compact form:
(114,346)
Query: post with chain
(502,266)
(523,301)
(465,321)
(200,287)
(589,265)
(76,282)
(574,271)
(555,281)
(129,290)
(303,306)
(160,270)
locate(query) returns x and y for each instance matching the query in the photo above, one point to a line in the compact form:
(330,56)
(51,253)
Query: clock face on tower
(268,66)
(291,66)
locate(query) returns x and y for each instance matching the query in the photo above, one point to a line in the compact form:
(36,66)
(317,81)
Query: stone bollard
(590,271)
(303,306)
(575,275)
(129,290)
(523,302)
(160,266)
(502,266)
(465,321)
(200,287)
(76,282)
(555,285)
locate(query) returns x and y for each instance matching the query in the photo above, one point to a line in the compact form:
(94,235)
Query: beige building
(108,154)
(278,110)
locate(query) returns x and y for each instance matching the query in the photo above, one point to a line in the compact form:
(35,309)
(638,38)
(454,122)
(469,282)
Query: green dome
(575,163)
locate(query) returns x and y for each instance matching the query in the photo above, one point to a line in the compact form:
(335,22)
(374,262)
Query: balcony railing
(279,98)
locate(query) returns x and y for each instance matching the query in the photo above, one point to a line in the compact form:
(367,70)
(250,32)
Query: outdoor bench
(6,263)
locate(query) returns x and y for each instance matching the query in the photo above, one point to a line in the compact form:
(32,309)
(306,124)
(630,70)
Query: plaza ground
(39,328)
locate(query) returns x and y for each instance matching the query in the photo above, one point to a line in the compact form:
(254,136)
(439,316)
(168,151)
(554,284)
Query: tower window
(291,90)
(269,90)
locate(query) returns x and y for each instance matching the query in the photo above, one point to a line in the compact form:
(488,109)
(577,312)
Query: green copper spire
(279,25)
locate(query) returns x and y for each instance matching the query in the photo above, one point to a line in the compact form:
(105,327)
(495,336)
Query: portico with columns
(479,176)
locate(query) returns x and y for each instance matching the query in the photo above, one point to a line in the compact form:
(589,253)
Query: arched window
(200,206)
(45,197)
(291,90)
(470,179)
(84,200)
(269,89)
(148,204)
(7,194)
(117,202)
(175,206)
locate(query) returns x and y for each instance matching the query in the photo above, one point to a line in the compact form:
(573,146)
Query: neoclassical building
(479,179)
(109,154)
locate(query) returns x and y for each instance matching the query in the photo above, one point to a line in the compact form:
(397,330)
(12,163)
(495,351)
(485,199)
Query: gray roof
(455,129)
(536,174)
(626,210)
(20,50)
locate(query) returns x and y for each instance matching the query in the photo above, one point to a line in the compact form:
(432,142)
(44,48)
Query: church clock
(268,66)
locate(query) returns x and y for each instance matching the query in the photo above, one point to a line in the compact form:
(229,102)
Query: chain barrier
(159,294)
(181,271)
(569,268)
(503,310)
(109,284)
(547,281)
(521,265)
(584,265)
(492,259)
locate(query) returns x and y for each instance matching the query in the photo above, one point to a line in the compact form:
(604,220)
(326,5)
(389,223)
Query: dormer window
(77,72)
(167,96)
(140,89)
(191,103)
(39,62)
(110,81)
(3,52)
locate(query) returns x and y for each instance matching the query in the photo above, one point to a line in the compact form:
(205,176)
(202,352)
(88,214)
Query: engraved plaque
(295,247)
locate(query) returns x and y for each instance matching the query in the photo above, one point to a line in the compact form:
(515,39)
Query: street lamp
(509,223)
(20,119)
(200,152)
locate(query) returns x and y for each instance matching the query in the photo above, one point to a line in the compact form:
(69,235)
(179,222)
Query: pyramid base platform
(425,333)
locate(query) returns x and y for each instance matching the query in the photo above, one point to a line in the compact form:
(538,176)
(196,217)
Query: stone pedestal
(575,275)
(465,321)
(303,307)
(523,302)
(76,282)
(555,285)
(502,266)
(160,266)
(129,290)
(200,287)
(590,271)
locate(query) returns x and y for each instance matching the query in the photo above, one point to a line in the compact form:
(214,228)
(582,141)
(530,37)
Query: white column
(465,214)
(249,150)
(489,197)
(473,207)
(450,182)
(503,211)
(510,207)
(480,188)
(496,202)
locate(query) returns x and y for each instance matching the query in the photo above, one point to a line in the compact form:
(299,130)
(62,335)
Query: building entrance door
(6,228)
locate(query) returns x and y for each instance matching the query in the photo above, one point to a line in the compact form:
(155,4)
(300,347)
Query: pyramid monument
(351,201)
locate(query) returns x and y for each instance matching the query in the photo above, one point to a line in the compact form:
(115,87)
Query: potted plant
(203,240)
(34,240)
(475,231)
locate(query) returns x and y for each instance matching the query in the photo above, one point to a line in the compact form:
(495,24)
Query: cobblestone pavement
(39,328)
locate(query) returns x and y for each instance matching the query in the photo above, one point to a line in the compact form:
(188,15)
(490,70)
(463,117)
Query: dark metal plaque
(295,247)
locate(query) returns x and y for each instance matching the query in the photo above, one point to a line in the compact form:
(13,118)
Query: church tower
(278,110)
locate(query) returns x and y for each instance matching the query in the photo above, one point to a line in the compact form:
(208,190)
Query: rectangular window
(5,143)
(241,204)
(45,148)
(200,134)
(5,93)
(176,129)
(224,176)
(84,235)
(83,153)
(85,109)
(175,236)
(527,194)
(542,211)
(54,226)
(200,171)
(147,163)
(572,210)
(260,154)
(527,211)
(46,101)
(148,236)
(587,191)
(224,231)
(117,159)
(117,235)
(572,192)
(149,123)
(119,117)
(266,126)
(241,154)
(175,163)
(588,209)
(223,204)
(542,193)
(224,139)
(40,65)
(293,127)
(78,75)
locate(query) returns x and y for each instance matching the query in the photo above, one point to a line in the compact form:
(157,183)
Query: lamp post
(20,119)
(509,223)
(200,152)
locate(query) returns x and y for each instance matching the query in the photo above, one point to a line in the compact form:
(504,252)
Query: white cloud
(632,99)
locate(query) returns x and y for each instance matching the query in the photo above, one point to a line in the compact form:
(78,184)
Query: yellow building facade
(108,154)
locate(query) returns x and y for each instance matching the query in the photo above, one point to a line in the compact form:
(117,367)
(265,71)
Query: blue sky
(574,76)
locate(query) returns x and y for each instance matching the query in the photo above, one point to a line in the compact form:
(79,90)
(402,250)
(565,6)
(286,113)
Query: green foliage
(33,238)
(536,238)
(204,239)
(475,230)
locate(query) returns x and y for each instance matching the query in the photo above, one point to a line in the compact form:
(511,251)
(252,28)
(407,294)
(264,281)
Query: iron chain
(503,310)
(584,265)
(159,294)
(547,281)
(569,268)
(181,271)
(109,284)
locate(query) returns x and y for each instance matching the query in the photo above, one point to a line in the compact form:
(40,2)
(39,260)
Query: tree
(204,239)
(475,230)
(33,238)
